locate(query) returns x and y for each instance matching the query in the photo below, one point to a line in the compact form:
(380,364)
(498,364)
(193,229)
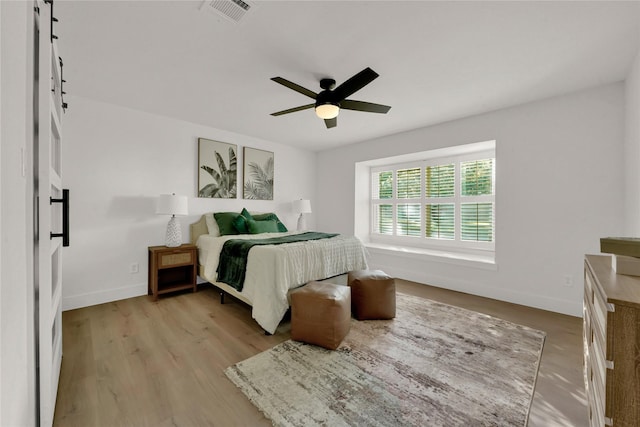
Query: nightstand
(172,269)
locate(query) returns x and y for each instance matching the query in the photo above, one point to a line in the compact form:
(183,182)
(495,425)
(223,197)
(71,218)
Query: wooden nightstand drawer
(171,260)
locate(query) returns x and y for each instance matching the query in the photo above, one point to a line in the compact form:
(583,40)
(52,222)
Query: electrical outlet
(568,280)
(134,268)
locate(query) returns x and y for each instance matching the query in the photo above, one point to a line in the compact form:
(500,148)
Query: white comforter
(274,269)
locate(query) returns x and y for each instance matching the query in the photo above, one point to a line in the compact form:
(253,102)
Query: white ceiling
(437,61)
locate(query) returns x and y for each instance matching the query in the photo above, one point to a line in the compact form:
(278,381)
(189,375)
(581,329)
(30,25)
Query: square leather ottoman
(373,294)
(320,314)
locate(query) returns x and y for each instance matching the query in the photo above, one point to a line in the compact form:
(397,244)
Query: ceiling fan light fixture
(330,101)
(327,111)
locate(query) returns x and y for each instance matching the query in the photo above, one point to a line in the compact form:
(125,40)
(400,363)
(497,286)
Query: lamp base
(302,225)
(174,233)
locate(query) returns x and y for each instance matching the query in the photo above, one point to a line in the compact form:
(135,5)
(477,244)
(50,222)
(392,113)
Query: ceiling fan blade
(331,123)
(293,110)
(354,84)
(284,82)
(369,107)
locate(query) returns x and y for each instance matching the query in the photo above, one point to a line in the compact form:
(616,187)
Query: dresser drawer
(597,304)
(596,418)
(587,334)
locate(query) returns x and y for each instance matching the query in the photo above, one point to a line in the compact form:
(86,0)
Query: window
(439,201)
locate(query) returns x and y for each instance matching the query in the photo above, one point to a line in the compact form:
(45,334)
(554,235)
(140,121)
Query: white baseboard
(556,305)
(103,296)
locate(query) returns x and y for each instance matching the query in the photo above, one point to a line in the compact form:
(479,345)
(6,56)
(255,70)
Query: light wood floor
(141,363)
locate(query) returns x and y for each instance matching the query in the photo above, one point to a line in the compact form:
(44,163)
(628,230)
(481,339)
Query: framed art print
(217,169)
(258,174)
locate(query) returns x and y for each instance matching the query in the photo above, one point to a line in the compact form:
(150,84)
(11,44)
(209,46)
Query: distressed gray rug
(434,365)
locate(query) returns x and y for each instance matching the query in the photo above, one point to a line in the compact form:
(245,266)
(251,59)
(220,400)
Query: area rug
(433,365)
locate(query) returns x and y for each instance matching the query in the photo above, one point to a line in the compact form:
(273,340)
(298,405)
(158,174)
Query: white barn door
(51,211)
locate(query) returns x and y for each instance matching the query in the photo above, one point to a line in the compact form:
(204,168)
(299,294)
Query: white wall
(17,353)
(559,189)
(116,161)
(632,151)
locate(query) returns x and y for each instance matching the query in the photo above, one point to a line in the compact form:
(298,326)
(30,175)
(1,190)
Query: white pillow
(212,225)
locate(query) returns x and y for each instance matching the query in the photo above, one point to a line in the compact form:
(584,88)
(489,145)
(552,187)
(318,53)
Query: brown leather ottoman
(373,294)
(320,314)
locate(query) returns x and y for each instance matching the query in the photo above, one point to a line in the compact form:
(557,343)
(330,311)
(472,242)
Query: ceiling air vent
(233,10)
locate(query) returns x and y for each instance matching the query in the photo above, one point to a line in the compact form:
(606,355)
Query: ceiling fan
(330,101)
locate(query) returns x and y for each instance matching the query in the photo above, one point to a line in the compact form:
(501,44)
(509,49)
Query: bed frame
(197,229)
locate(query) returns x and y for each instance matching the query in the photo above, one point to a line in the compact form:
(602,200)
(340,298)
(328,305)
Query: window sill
(485,262)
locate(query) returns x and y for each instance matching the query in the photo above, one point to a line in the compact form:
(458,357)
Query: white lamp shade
(170,204)
(302,206)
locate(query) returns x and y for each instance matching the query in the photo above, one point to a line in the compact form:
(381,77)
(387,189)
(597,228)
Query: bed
(272,270)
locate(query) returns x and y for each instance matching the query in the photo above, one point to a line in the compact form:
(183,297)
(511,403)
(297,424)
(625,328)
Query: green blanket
(232,266)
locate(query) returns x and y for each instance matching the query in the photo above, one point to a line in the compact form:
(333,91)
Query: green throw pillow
(225,222)
(240,222)
(264,226)
(271,215)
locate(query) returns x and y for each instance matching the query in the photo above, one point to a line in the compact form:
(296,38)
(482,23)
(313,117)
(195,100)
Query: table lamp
(302,207)
(170,204)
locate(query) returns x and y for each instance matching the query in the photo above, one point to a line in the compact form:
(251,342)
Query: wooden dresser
(611,337)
